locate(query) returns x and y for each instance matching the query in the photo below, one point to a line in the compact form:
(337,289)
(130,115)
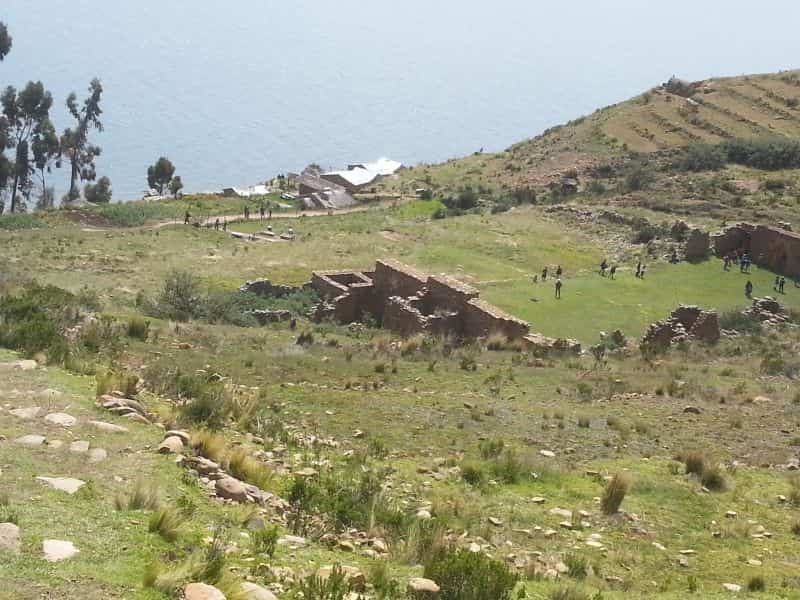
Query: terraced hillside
(663,119)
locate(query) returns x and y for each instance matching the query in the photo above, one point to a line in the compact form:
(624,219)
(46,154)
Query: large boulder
(252,591)
(202,591)
(419,586)
(9,538)
(171,445)
(231,489)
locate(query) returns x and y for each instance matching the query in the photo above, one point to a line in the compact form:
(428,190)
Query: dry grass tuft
(614,493)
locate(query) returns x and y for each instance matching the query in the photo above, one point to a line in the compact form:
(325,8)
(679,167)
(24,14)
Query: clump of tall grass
(142,497)
(166,521)
(614,493)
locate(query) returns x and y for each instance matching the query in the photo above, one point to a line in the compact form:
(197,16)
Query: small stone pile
(685,322)
(767,310)
(128,408)
(541,345)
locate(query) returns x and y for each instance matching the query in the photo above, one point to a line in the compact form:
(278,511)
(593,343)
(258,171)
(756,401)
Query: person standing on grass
(216,224)
(225,225)
(603,267)
(638,268)
(748,288)
(613,271)
(558,288)
(644,270)
(559,271)
(777,283)
(261,212)
(544,274)
(781,284)
(186,218)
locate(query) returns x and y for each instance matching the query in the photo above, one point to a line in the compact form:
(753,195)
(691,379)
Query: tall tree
(5,164)
(27,115)
(46,149)
(175,186)
(160,174)
(75,144)
(98,193)
(5,41)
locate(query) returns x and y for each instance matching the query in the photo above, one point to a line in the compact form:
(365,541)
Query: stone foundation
(409,302)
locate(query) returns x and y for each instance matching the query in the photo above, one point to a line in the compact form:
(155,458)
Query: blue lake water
(235,92)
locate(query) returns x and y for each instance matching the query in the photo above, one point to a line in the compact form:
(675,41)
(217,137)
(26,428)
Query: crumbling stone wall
(407,301)
(697,245)
(685,322)
(771,247)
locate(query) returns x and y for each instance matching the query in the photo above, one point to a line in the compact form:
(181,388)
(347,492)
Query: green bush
(702,157)
(208,406)
(464,575)
(179,299)
(138,328)
(265,540)
(20,221)
(767,153)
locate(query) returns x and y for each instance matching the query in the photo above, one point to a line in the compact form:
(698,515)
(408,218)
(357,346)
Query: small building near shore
(358,176)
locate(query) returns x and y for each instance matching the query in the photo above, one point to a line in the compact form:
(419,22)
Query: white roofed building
(359,175)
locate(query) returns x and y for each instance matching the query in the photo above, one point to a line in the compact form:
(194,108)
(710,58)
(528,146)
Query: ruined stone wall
(733,238)
(777,249)
(326,287)
(448,293)
(401,317)
(482,319)
(395,279)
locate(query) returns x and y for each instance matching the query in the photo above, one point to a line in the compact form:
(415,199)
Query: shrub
(166,522)
(472,473)
(756,584)
(713,478)
(702,157)
(111,380)
(208,408)
(496,341)
(385,586)
(142,497)
(138,328)
(265,540)
(577,566)
(637,178)
(695,463)
(768,154)
(737,321)
(337,586)
(464,575)
(179,298)
(614,493)
(423,540)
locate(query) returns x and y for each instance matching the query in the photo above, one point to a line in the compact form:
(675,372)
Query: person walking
(216,224)
(558,288)
(186,218)
(559,271)
(782,284)
(644,270)
(225,225)
(613,271)
(638,269)
(748,288)
(603,267)
(544,274)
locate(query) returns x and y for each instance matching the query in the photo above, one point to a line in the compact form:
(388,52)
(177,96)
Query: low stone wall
(482,319)
(396,279)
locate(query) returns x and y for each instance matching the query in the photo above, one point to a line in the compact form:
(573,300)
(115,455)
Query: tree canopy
(75,141)
(98,193)
(159,175)
(5,41)
(28,131)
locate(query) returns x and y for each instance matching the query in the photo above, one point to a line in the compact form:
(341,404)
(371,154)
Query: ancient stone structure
(698,244)
(408,302)
(684,323)
(770,247)
(768,311)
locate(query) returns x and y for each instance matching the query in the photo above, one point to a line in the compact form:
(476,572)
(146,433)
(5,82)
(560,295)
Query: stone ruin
(408,302)
(771,247)
(685,323)
(768,311)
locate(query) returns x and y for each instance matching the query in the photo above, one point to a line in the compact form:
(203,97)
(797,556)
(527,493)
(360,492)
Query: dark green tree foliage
(75,144)
(5,41)
(702,157)
(768,154)
(98,193)
(175,186)
(27,125)
(160,174)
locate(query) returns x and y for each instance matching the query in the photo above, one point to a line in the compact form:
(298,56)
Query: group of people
(612,270)
(558,283)
(737,257)
(263,212)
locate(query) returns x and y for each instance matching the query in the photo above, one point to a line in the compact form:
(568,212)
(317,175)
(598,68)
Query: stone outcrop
(685,322)
(771,247)
(408,302)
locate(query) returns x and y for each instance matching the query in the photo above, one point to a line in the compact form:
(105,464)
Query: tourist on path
(613,271)
(558,288)
(225,225)
(216,224)
(638,269)
(544,274)
(748,288)
(603,267)
(261,212)
(777,283)
(782,284)
(186,218)
(559,271)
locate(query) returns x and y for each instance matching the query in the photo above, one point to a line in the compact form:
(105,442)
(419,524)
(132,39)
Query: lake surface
(236,92)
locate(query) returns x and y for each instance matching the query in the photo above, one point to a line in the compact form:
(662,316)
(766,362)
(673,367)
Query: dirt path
(209,221)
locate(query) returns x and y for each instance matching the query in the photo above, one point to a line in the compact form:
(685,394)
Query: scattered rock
(420,585)
(56,550)
(171,445)
(693,410)
(256,592)
(291,540)
(63,484)
(29,412)
(61,419)
(9,538)
(732,587)
(27,365)
(547,453)
(184,436)
(231,489)
(495,521)
(31,440)
(202,591)
(424,515)
(538,500)
(79,447)
(97,455)
(108,427)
